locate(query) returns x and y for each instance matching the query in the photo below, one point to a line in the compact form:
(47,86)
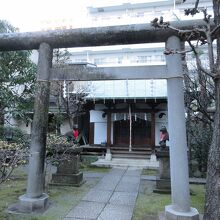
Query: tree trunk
(2,119)
(212,200)
(2,116)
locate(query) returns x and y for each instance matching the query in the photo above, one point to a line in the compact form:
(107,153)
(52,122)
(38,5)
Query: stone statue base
(68,173)
(163,184)
(67,179)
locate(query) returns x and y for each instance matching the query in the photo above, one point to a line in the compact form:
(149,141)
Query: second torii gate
(35,198)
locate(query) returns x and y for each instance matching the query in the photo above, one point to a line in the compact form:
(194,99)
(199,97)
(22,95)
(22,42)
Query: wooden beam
(94,36)
(91,133)
(153,131)
(109,120)
(134,110)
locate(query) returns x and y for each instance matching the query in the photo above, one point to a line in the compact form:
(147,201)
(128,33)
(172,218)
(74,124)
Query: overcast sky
(28,15)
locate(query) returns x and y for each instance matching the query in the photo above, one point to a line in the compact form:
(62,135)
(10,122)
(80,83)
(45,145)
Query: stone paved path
(113,198)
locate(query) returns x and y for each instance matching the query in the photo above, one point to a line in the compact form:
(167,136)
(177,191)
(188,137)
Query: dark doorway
(141,132)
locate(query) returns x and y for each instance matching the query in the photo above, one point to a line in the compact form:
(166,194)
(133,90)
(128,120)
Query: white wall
(100,125)
(100,132)
(97,116)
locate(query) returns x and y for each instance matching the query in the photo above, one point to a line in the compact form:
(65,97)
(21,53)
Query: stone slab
(127,187)
(76,218)
(122,163)
(123,198)
(130,179)
(93,175)
(116,212)
(116,171)
(98,196)
(133,171)
(112,178)
(105,186)
(86,210)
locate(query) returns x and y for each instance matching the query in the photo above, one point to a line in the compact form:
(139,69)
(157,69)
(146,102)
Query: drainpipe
(130,147)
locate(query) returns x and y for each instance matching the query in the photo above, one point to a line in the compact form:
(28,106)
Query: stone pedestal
(172,214)
(33,204)
(29,205)
(108,155)
(163,180)
(68,173)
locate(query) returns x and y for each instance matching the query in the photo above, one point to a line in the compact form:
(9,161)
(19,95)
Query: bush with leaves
(16,135)
(17,78)
(201,137)
(58,149)
(11,156)
(14,148)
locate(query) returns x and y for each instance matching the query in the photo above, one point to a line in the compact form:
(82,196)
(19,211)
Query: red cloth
(75,133)
(164,136)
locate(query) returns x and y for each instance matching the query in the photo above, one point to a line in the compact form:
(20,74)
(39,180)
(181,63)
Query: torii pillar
(180,208)
(35,199)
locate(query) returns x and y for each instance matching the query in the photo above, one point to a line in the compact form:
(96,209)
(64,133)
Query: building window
(143,59)
(100,9)
(140,14)
(162,58)
(99,61)
(78,60)
(120,60)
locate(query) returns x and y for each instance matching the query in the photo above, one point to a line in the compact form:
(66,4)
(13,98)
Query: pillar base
(33,204)
(30,205)
(171,214)
(108,156)
(153,158)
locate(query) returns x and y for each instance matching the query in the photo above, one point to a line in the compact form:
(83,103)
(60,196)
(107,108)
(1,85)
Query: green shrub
(15,135)
(201,137)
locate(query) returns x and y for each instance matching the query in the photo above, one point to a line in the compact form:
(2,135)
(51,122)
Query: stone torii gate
(35,198)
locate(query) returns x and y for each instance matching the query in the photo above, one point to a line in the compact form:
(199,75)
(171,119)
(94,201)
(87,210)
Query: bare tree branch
(192,11)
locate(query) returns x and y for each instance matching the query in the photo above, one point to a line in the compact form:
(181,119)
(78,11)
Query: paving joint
(113,197)
(112,193)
